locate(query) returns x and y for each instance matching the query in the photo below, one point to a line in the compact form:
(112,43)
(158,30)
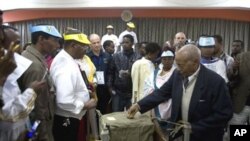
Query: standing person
(179,40)
(119,80)
(156,80)
(200,101)
(142,68)
(206,45)
(129,30)
(44,41)
(240,92)
(219,52)
(72,95)
(140,49)
(87,67)
(110,36)
(109,47)
(237,47)
(16,105)
(101,61)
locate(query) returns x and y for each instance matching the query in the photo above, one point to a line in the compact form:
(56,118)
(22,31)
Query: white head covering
(167,54)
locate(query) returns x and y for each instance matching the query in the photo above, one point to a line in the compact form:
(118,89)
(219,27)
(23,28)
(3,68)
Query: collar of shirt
(194,75)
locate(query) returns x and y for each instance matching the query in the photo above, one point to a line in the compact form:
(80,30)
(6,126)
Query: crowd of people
(59,79)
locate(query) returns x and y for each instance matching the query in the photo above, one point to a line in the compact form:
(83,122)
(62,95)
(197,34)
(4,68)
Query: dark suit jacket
(242,91)
(210,105)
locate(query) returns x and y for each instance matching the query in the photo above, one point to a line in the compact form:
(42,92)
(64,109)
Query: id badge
(100,77)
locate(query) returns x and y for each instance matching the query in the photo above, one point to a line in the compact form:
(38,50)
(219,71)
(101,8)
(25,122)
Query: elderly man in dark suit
(203,106)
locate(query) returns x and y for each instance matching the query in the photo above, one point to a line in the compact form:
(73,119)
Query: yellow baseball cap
(82,38)
(131,25)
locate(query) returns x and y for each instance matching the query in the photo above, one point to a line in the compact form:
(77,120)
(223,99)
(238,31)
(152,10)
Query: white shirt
(219,67)
(187,94)
(164,107)
(140,69)
(71,91)
(17,105)
(111,37)
(125,33)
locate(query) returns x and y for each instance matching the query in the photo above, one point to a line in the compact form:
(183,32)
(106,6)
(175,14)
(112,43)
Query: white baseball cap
(167,54)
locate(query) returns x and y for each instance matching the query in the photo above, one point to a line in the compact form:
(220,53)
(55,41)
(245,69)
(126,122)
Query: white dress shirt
(71,91)
(17,105)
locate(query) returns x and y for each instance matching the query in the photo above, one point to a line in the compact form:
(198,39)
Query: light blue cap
(49,29)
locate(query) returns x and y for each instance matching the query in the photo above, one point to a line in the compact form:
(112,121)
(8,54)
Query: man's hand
(37,85)
(93,95)
(133,110)
(90,104)
(186,125)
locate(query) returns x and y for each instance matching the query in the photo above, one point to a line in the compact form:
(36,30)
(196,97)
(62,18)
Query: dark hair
(152,47)
(35,36)
(130,37)
(218,38)
(241,43)
(107,43)
(1,12)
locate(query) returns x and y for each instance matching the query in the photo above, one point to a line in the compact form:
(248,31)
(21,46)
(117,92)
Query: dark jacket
(210,105)
(241,93)
(101,62)
(122,61)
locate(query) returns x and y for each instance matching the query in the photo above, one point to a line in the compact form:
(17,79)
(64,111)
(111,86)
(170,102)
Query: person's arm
(149,85)
(135,81)
(152,100)
(135,38)
(111,75)
(18,105)
(157,97)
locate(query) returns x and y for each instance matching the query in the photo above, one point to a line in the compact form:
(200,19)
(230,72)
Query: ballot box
(117,127)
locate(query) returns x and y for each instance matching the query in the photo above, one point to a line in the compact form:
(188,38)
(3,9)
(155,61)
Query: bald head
(179,40)
(95,45)
(191,51)
(180,37)
(188,59)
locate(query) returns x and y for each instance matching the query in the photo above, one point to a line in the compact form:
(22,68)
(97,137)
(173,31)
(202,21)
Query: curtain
(150,29)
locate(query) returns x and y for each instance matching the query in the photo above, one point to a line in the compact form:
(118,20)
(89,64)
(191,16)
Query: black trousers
(65,129)
(103,99)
